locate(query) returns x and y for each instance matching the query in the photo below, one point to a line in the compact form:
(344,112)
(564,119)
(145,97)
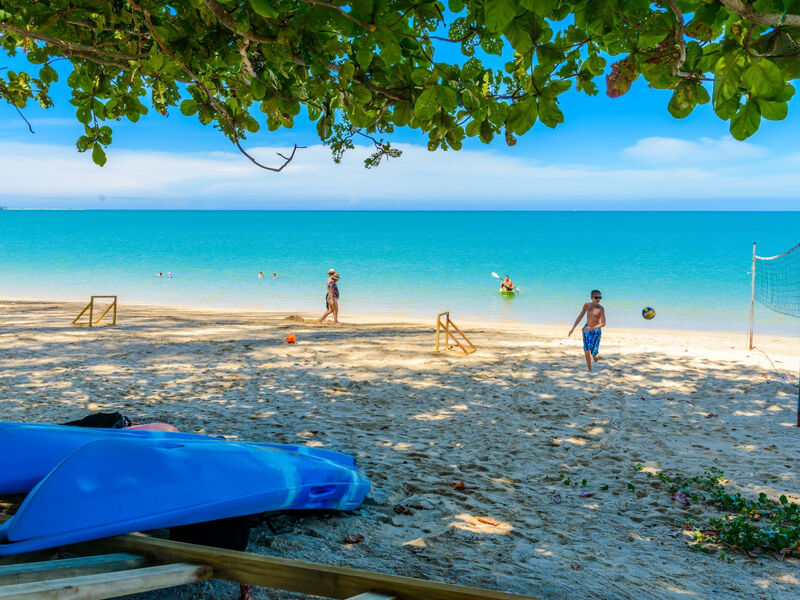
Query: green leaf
(519,34)
(427,104)
(728,72)
(772,109)
(595,64)
(549,112)
(258,88)
(745,122)
(364,54)
(763,77)
(188,107)
(264,8)
(401,115)
(361,94)
(473,128)
(499,13)
(455,6)
(522,116)
(422,76)
(346,72)
(98,155)
(543,8)
(682,102)
(83,114)
(447,97)
(323,129)
(486,132)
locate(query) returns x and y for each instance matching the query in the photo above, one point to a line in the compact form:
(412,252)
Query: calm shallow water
(692,267)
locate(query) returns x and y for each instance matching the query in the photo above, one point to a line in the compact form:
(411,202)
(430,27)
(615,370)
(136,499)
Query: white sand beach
(534,438)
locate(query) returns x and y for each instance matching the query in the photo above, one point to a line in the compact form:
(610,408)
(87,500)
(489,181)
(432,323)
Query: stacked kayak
(86,484)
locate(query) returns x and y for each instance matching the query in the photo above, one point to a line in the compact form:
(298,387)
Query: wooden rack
(467,347)
(135,563)
(90,307)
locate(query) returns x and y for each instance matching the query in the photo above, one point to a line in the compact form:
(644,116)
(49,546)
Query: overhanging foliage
(365,67)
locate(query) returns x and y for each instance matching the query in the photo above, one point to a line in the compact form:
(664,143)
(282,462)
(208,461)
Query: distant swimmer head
(260,274)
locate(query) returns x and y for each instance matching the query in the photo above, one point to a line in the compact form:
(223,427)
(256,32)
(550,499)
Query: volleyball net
(777,282)
(776,285)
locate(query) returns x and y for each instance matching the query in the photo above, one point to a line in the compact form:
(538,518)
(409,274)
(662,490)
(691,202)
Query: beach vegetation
(359,69)
(752,526)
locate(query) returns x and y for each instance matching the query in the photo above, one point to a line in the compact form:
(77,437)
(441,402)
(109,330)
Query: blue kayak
(121,484)
(30,451)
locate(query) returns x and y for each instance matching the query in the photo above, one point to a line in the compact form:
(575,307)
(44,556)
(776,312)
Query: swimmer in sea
(261,275)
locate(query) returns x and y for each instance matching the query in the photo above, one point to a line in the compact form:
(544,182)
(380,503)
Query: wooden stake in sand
(90,307)
(467,347)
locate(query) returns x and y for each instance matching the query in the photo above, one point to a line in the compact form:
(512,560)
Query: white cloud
(661,150)
(47,176)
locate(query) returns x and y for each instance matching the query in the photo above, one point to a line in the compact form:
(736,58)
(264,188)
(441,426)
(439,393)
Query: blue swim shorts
(591,341)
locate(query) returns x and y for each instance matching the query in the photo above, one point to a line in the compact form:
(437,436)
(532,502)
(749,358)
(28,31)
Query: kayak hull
(114,485)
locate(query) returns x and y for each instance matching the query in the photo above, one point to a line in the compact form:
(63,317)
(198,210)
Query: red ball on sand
(291,339)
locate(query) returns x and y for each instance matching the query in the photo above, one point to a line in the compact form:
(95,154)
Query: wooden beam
(293,575)
(107,585)
(71,567)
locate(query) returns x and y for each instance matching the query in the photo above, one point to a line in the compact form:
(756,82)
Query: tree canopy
(366,67)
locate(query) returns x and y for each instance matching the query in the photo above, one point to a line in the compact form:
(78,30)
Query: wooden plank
(70,567)
(107,585)
(294,575)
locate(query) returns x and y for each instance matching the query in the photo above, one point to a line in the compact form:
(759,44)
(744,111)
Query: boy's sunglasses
(597,297)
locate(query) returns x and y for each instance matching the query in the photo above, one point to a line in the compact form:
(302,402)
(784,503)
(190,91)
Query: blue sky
(623,153)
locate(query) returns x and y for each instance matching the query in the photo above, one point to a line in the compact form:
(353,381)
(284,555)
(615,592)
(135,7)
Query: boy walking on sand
(595,321)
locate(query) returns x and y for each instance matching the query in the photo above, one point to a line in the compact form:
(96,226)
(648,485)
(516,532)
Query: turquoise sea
(692,267)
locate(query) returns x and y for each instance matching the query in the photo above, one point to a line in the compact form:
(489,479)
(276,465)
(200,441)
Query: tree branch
(749,13)
(69,46)
(679,41)
(224,18)
(19,112)
(221,111)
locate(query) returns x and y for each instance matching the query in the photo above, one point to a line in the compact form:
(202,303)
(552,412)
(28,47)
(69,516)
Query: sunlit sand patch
(571,440)
(431,417)
(481,524)
(676,590)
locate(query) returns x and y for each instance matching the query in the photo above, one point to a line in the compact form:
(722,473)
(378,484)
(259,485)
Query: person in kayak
(507,285)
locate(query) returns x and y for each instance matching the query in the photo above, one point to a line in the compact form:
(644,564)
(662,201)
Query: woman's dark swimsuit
(332,287)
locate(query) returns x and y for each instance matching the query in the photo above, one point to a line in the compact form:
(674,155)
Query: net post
(752,295)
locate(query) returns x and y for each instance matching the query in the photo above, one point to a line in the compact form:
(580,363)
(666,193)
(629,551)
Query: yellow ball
(648,313)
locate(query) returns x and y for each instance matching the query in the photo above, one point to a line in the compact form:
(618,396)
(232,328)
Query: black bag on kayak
(109,420)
